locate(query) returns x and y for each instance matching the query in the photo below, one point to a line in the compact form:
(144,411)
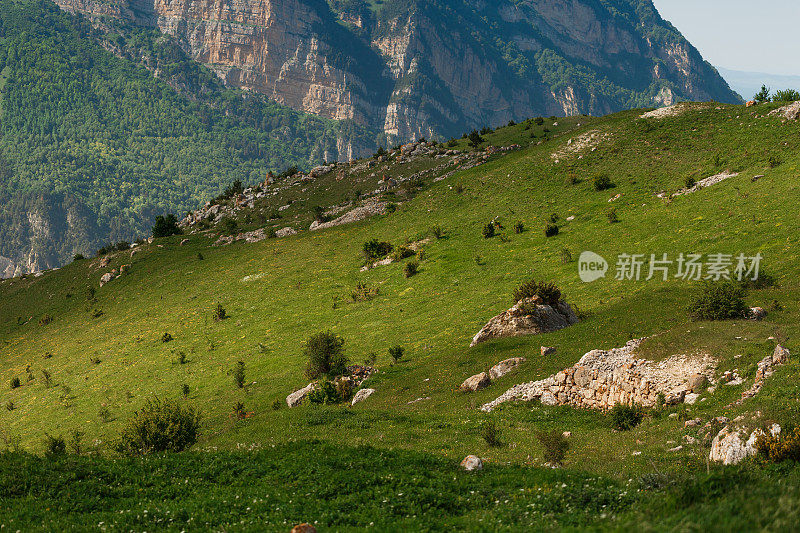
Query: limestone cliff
(437,67)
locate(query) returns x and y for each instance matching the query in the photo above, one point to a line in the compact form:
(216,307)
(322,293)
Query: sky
(740,34)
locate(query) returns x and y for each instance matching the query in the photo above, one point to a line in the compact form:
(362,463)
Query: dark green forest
(93,145)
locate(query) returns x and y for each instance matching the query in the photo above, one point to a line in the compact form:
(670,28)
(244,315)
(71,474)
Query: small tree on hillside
(475,139)
(762,96)
(325,354)
(166,226)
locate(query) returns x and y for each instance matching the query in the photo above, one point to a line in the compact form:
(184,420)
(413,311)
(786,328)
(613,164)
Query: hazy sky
(740,34)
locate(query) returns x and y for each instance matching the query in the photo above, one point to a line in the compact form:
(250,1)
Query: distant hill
(748,84)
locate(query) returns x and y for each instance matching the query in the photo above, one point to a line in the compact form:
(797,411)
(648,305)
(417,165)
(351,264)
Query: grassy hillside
(104,366)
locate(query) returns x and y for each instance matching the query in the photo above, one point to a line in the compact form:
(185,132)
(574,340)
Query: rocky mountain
(416,68)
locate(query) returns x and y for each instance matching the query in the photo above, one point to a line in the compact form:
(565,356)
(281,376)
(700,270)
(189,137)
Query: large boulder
(107,278)
(297,397)
(362,395)
(697,383)
(472,462)
(504,367)
(476,382)
(789,112)
(528,317)
(730,448)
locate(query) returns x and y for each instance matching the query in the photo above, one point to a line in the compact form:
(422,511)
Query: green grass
(279,292)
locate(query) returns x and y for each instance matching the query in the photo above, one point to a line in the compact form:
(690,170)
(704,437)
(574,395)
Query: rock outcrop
(729,447)
(602,379)
(766,367)
(505,367)
(788,112)
(528,317)
(471,463)
(476,382)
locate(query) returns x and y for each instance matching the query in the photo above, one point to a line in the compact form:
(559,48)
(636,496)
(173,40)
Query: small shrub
(602,183)
(421,254)
(47,379)
(411,269)
(46,319)
(325,394)
(573,179)
(720,300)
(553,218)
(363,293)
(76,442)
(566,256)
(774,162)
(775,306)
(396,353)
(182,358)
(185,391)
(219,313)
(612,216)
(94,360)
(786,95)
(228,226)
(238,374)
(371,359)
(489,231)
(519,227)
(165,226)
(15,382)
(325,354)
(277,404)
(96,313)
(200,256)
(402,252)
(272,234)
(689,182)
(548,292)
(625,417)
(105,415)
(166,337)
(54,446)
(555,446)
(47,355)
(491,434)
(551,230)
(79,257)
(239,412)
(452,143)
(376,249)
(437,232)
(391,207)
(10,405)
(160,426)
(783,447)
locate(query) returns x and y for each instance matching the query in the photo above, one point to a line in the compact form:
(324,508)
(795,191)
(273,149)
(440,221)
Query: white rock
(548,398)
(504,367)
(297,397)
(362,395)
(691,398)
(472,462)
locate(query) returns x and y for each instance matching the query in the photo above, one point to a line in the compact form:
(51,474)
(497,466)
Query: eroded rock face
(729,447)
(527,317)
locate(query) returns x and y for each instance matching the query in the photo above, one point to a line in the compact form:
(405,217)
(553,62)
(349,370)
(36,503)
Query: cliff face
(437,67)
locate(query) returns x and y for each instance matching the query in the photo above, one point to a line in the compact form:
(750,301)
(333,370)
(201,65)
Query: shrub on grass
(238,374)
(491,434)
(239,412)
(437,232)
(79,257)
(783,447)
(376,249)
(612,216)
(325,354)
(277,405)
(15,382)
(489,231)
(54,446)
(105,415)
(519,227)
(45,320)
(411,269)
(566,256)
(689,182)
(396,353)
(10,405)
(160,426)
(719,300)
(219,313)
(165,226)
(402,252)
(602,183)
(166,337)
(551,230)
(76,442)
(185,390)
(325,394)
(625,417)
(228,226)
(363,293)
(47,379)
(548,292)
(555,446)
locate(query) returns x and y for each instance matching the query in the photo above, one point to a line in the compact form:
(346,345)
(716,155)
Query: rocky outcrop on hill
(434,67)
(602,379)
(528,317)
(789,112)
(730,447)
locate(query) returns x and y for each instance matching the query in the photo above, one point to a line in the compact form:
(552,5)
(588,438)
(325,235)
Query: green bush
(783,447)
(689,182)
(437,232)
(166,337)
(396,353)
(219,313)
(325,354)
(489,231)
(15,382)
(612,216)
(548,292)
(238,374)
(363,293)
(326,393)
(185,391)
(719,300)
(411,269)
(625,417)
(228,226)
(160,426)
(402,252)
(54,446)
(491,434)
(555,446)
(79,257)
(551,230)
(165,226)
(602,183)
(519,227)
(376,249)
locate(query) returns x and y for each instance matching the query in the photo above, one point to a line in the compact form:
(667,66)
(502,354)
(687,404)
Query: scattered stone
(527,317)
(692,423)
(757,313)
(766,367)
(675,449)
(297,397)
(285,232)
(707,182)
(184,242)
(419,400)
(756,178)
(691,398)
(362,395)
(547,350)
(472,463)
(370,208)
(689,439)
(567,434)
(105,261)
(697,383)
(476,382)
(673,415)
(107,278)
(504,367)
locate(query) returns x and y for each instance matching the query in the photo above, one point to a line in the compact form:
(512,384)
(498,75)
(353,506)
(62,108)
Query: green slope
(278,292)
